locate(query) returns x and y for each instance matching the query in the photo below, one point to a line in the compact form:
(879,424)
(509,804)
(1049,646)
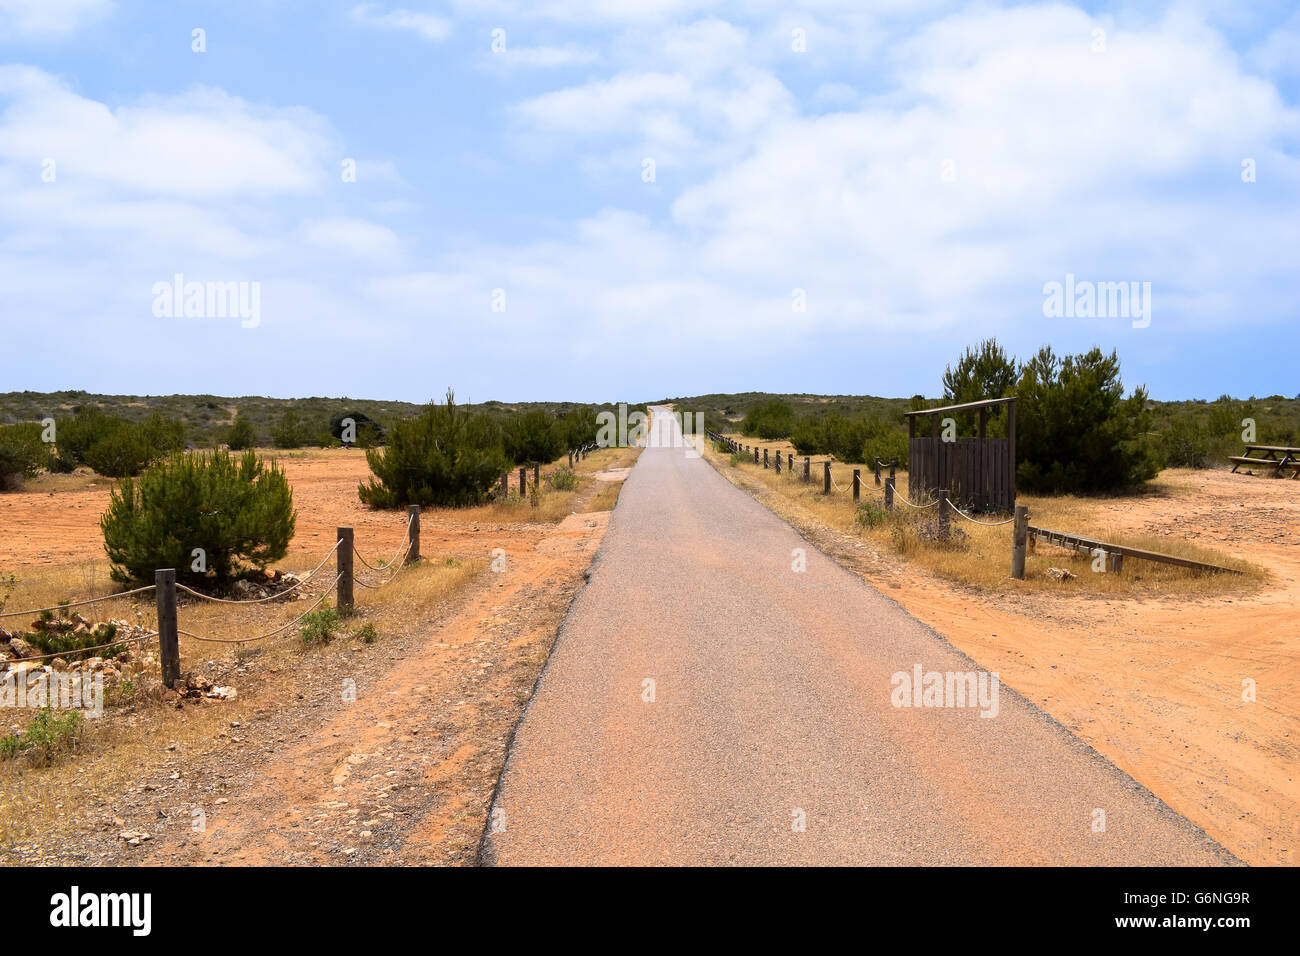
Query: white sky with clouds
(522,171)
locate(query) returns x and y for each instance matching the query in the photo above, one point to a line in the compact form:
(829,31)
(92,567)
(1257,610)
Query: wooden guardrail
(1115,553)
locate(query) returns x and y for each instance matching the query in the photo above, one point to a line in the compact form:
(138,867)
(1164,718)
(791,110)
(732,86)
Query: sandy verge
(1154,684)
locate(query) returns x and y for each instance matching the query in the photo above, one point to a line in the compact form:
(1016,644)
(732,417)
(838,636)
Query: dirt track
(760,720)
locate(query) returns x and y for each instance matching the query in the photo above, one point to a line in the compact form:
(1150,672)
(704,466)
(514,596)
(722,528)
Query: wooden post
(570,459)
(807,470)
(889,494)
(764,457)
(1019,535)
(168,644)
(1116,563)
(778,462)
(344,555)
(756,454)
(413,554)
(537,475)
(826,478)
(523,482)
(945,513)
(876,468)
(857,484)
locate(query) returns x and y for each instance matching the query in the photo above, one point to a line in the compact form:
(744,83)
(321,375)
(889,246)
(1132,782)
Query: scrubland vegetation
(1076,429)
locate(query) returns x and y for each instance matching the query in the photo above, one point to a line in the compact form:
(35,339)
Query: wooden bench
(1278,458)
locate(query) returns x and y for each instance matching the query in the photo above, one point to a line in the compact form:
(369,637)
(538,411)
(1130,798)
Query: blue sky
(917,171)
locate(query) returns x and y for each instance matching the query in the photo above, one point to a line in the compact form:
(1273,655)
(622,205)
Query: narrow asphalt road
(707,702)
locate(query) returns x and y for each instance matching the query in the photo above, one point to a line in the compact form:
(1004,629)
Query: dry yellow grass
(552,505)
(606,498)
(110,748)
(982,557)
(74,481)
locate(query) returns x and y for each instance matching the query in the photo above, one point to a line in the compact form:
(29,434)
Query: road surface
(707,703)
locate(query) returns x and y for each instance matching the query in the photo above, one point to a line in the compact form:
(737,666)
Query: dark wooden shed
(978,472)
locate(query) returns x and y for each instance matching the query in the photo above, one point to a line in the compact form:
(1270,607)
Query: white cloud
(588,11)
(607,105)
(32,18)
(425,25)
(674,118)
(1279,52)
(544,57)
(197,183)
(199,144)
(353,237)
(1115,166)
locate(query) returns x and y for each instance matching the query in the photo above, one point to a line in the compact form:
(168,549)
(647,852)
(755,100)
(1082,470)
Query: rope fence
(273,597)
(165,589)
(262,637)
(943,502)
(988,524)
(60,607)
(98,647)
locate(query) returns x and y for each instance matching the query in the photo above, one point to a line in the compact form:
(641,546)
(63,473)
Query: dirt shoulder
(1155,684)
(352,753)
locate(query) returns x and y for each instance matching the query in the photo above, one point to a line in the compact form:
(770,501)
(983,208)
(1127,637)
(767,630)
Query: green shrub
(241,434)
(871,514)
(983,371)
(164,435)
(319,627)
(533,437)
(890,445)
(579,428)
(60,637)
(1201,435)
(365,431)
(366,633)
(291,432)
(237,509)
(849,438)
(737,458)
(562,480)
(1187,442)
(113,446)
(1075,430)
(47,737)
(120,453)
(22,453)
(75,434)
(445,456)
(770,421)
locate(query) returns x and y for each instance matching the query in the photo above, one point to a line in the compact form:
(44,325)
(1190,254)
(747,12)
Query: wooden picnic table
(1278,457)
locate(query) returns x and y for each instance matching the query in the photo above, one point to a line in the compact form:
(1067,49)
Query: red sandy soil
(284,773)
(1156,685)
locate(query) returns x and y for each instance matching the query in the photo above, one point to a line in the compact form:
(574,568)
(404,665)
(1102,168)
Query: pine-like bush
(1075,429)
(22,453)
(443,457)
(241,435)
(113,446)
(237,509)
(534,437)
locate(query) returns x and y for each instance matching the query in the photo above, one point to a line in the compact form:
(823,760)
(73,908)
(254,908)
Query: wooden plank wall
(977,471)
